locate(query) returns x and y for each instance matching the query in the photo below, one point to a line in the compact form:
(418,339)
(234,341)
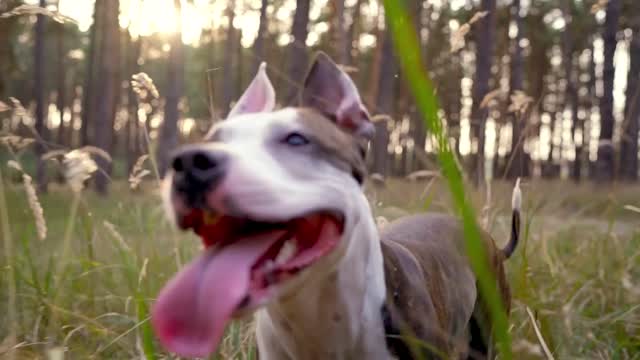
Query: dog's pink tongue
(193,309)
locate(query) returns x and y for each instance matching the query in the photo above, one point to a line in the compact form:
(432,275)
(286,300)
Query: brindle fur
(431,289)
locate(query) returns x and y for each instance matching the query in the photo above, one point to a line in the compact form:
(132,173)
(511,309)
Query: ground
(575,276)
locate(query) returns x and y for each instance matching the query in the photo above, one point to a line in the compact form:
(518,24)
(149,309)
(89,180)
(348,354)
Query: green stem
(408,51)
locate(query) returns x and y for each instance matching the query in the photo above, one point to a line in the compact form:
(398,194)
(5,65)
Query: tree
(107,94)
(629,148)
(516,80)
(62,79)
(175,76)
(89,89)
(484,52)
(605,163)
(228,85)
(388,69)
(39,97)
(132,142)
(258,45)
(298,48)
(339,38)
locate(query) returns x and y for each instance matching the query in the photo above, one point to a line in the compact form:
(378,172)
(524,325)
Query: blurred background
(527,88)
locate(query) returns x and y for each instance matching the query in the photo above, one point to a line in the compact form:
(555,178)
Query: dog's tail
(516,203)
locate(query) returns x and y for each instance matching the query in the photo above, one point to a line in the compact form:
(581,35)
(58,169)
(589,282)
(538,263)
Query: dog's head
(273,194)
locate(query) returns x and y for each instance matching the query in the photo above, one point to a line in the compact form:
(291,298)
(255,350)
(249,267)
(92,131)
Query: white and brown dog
(276,196)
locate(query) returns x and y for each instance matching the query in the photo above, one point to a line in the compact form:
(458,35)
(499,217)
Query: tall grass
(408,50)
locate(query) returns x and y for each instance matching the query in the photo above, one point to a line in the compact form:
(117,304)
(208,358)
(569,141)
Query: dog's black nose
(197,170)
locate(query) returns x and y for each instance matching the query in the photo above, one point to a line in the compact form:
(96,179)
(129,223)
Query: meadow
(85,289)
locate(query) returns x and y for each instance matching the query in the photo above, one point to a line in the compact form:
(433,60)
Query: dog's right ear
(258,97)
(331,91)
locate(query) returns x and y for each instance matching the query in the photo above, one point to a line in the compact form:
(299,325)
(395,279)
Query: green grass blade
(408,50)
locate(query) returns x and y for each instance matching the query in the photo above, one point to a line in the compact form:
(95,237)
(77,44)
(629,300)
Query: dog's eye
(295,139)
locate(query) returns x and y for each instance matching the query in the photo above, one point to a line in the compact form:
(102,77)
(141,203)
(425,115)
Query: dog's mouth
(244,262)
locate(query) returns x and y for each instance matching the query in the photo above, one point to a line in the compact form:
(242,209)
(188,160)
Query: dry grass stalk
(18,109)
(116,235)
(96,151)
(142,84)
(138,172)
(489,99)
(36,207)
(457,38)
(520,102)
(14,165)
(632,208)
(599,5)
(15,142)
(37,10)
(545,348)
(78,167)
(423,175)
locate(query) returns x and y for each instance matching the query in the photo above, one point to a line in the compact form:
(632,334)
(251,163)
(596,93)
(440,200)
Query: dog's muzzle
(197,171)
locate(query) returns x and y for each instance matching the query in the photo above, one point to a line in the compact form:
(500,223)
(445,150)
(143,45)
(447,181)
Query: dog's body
(345,291)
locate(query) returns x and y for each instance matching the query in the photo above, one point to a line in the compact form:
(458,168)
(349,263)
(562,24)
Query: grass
(577,269)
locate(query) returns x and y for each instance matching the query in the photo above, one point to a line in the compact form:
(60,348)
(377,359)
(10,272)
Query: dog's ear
(258,97)
(331,91)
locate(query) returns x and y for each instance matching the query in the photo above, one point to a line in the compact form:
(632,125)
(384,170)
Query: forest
(98,94)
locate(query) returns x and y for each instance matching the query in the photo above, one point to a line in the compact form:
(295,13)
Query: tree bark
(62,86)
(298,57)
(258,45)
(516,167)
(108,80)
(605,163)
(353,31)
(175,77)
(132,147)
(89,88)
(629,148)
(40,99)
(340,48)
(229,51)
(384,102)
(484,53)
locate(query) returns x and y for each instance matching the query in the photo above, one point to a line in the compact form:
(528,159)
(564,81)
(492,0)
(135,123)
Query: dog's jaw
(336,315)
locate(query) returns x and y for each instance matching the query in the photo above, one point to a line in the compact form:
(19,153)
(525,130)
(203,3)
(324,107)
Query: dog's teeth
(210,218)
(287,252)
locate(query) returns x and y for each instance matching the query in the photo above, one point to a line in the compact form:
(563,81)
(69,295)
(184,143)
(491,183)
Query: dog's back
(431,288)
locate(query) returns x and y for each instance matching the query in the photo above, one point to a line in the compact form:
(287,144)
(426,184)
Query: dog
(277,198)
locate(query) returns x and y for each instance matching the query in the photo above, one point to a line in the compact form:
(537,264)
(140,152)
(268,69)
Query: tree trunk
(352,32)
(132,147)
(516,166)
(229,51)
(298,49)
(339,38)
(258,45)
(40,99)
(108,80)
(384,102)
(62,86)
(629,148)
(89,89)
(169,132)
(605,163)
(484,52)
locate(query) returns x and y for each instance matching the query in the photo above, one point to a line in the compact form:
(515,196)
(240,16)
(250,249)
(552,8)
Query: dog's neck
(337,316)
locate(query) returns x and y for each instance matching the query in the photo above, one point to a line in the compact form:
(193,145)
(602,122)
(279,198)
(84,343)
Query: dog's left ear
(259,96)
(331,91)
